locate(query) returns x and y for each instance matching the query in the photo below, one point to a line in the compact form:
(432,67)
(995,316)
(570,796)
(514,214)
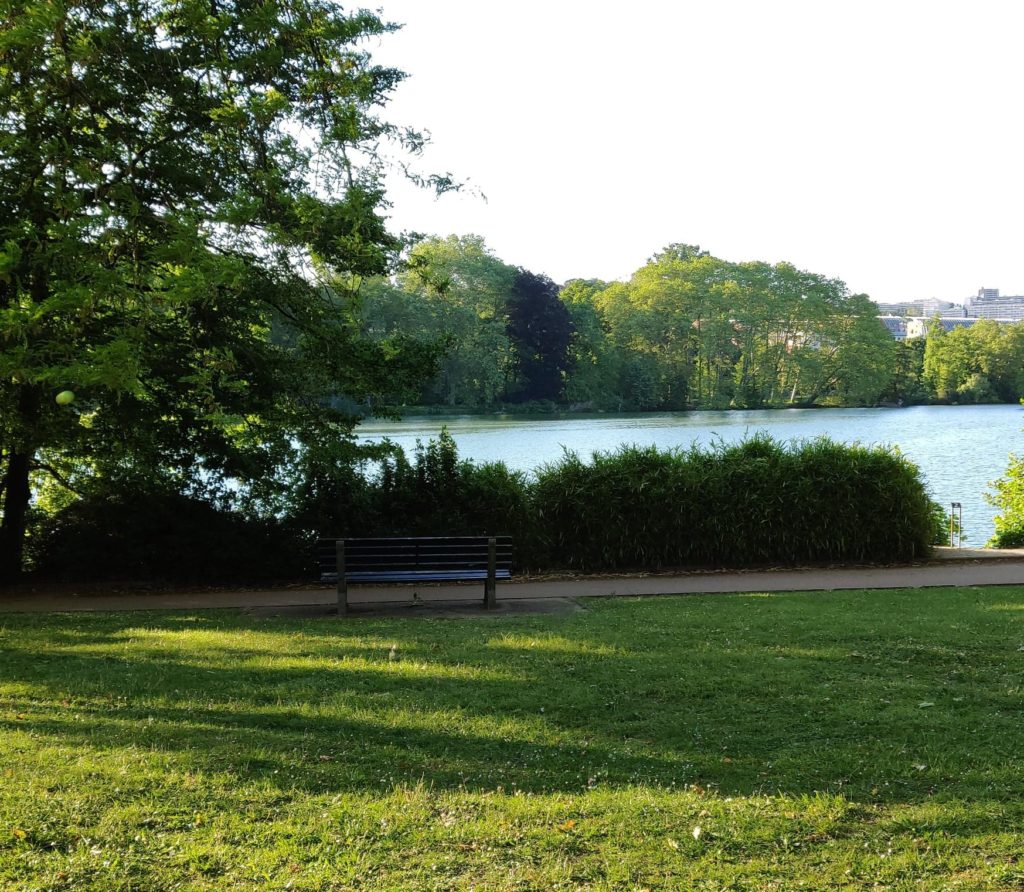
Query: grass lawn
(849,740)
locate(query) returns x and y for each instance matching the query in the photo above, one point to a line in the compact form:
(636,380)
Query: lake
(958,448)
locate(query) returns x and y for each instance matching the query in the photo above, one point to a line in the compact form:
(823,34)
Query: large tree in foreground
(173,174)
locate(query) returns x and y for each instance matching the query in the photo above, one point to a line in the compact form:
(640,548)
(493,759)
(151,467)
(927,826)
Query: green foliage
(159,537)
(593,360)
(433,494)
(981,363)
(906,382)
(506,334)
(540,328)
(1008,497)
(453,292)
(694,331)
(755,503)
(162,227)
(687,331)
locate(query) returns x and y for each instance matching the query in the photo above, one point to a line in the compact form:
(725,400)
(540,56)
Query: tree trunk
(14,497)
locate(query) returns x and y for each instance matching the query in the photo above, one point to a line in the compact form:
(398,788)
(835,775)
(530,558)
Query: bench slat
(428,542)
(414,576)
(417,559)
(420,558)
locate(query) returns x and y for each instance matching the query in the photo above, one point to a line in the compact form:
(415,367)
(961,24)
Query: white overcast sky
(876,142)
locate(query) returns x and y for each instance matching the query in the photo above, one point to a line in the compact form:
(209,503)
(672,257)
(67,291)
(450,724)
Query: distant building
(932,307)
(990,304)
(910,319)
(892,309)
(925,307)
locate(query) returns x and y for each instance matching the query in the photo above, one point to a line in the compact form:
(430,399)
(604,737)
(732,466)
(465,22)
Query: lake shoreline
(960,449)
(512,411)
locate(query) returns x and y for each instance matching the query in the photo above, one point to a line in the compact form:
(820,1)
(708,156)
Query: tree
(653,319)
(1008,497)
(865,353)
(956,361)
(594,361)
(465,288)
(906,385)
(451,291)
(161,227)
(640,383)
(541,333)
(1005,364)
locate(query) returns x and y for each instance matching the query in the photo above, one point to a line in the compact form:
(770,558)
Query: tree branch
(56,475)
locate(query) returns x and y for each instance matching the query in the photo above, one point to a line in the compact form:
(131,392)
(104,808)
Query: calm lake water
(958,448)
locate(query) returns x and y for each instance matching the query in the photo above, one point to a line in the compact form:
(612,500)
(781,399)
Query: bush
(435,494)
(755,503)
(163,537)
(379,491)
(1009,499)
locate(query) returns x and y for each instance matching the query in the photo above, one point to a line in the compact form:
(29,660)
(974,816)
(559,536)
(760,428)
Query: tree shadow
(531,705)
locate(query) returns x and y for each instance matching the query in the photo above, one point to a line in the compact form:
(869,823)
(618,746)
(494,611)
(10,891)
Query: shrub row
(161,537)
(757,503)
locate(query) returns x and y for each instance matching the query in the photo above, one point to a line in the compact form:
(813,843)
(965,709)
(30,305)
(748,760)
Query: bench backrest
(416,554)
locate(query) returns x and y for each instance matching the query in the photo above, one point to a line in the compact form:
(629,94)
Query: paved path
(949,567)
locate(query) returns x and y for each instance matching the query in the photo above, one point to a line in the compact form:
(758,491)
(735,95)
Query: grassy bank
(841,740)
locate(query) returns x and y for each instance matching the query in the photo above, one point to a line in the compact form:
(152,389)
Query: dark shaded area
(541,331)
(163,536)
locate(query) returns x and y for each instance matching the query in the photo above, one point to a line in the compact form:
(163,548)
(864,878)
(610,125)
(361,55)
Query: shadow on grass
(743,696)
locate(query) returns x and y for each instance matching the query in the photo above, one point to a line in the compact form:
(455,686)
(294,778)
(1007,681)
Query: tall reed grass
(759,502)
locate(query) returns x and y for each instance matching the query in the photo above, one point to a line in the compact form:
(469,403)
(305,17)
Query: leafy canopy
(175,176)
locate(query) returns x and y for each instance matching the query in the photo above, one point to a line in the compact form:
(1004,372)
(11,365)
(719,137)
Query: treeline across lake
(688,330)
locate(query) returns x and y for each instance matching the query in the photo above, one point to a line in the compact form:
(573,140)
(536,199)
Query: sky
(874,142)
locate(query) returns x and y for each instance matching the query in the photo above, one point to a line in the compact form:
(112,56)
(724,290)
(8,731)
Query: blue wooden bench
(423,559)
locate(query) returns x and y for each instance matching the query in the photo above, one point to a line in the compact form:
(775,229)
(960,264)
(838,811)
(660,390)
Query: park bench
(424,559)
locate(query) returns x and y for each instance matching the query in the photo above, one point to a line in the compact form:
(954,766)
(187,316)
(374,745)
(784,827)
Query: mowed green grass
(855,740)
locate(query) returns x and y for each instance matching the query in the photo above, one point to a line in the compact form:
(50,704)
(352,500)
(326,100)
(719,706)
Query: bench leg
(339,551)
(491,583)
